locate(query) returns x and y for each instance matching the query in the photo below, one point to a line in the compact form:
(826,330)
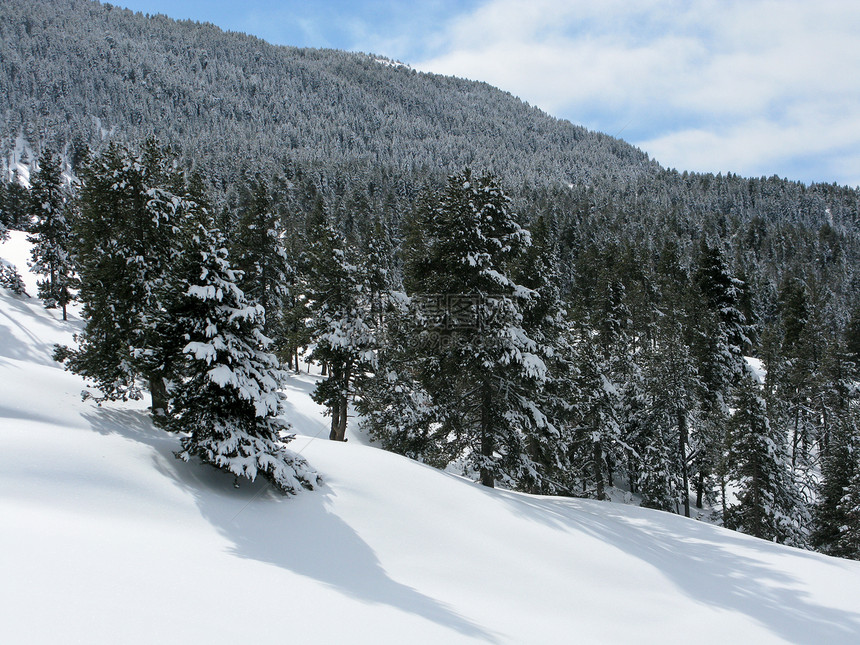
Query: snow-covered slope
(106,538)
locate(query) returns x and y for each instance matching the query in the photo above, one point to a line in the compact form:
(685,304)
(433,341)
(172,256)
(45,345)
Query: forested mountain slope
(75,70)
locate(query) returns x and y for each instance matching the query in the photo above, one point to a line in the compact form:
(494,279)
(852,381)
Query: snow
(756,368)
(106,537)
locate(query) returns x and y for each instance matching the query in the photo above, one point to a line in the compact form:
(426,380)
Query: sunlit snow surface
(105,537)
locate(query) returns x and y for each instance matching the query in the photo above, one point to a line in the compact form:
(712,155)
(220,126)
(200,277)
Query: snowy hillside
(105,537)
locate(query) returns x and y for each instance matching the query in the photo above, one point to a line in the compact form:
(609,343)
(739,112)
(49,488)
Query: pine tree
(832,519)
(718,332)
(131,205)
(840,451)
(258,251)
(228,397)
(847,543)
(544,320)
(295,333)
(16,205)
(472,358)
(11,279)
(769,504)
(671,386)
(341,323)
(51,234)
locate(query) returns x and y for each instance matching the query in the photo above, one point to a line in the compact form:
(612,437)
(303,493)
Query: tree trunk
(487,478)
(340,430)
(335,434)
(609,472)
(158,392)
(597,458)
(795,441)
(682,455)
(700,489)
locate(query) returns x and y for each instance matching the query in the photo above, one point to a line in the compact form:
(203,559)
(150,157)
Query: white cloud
(756,87)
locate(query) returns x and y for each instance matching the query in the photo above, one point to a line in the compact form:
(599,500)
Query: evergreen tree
(544,319)
(840,452)
(769,504)
(718,333)
(227,397)
(16,205)
(847,543)
(341,323)
(258,252)
(125,244)
(474,361)
(671,387)
(840,465)
(51,234)
(11,279)
(295,333)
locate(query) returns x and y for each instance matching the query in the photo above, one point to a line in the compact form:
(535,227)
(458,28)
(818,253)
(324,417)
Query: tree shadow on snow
(299,534)
(33,348)
(707,563)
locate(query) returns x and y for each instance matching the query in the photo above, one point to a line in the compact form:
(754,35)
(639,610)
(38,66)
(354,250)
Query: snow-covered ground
(105,537)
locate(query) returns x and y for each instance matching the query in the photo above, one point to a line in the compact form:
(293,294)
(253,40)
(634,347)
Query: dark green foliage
(340,317)
(258,252)
(769,504)
(14,206)
(836,513)
(226,397)
(847,543)
(467,378)
(125,245)
(50,209)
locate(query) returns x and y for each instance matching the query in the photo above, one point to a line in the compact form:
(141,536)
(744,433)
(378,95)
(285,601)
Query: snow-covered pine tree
(670,394)
(847,542)
(840,449)
(257,251)
(479,367)
(769,504)
(11,279)
(227,397)
(341,325)
(295,333)
(15,206)
(378,269)
(50,207)
(832,522)
(594,403)
(125,244)
(395,408)
(718,333)
(544,319)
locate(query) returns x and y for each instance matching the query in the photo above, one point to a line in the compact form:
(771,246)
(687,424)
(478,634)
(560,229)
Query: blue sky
(755,87)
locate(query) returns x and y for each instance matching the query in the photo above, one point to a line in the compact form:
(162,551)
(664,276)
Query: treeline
(578,349)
